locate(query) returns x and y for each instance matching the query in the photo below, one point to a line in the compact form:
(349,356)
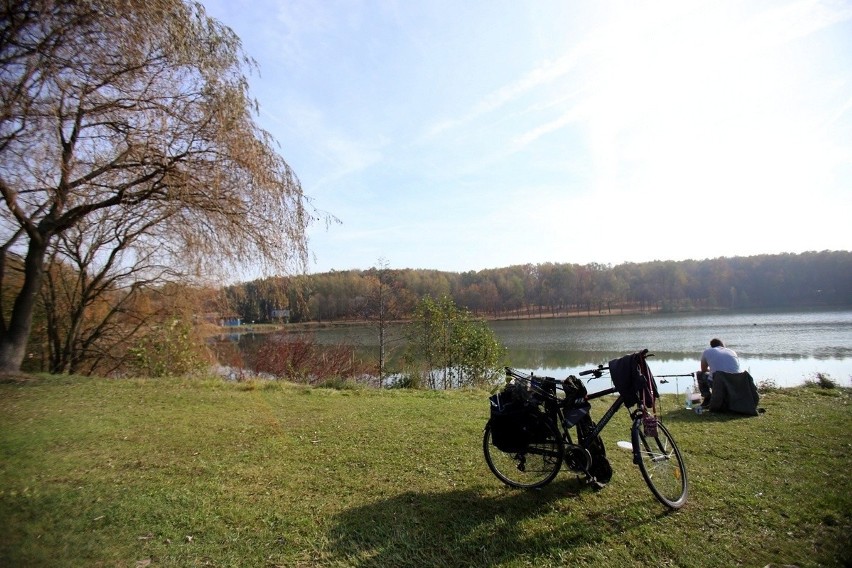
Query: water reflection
(783,372)
(785,347)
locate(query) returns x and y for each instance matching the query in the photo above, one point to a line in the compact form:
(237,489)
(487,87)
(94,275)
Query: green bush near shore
(179,472)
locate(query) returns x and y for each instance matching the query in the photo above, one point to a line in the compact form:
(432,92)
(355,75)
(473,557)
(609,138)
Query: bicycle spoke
(661,465)
(535,466)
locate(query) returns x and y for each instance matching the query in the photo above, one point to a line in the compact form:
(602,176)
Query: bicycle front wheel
(535,466)
(661,464)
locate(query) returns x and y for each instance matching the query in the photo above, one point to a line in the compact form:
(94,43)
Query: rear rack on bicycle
(630,376)
(543,389)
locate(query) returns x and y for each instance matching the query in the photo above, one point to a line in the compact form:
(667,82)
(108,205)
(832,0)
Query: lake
(785,347)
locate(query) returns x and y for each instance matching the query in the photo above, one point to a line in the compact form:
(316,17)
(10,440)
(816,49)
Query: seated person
(716,358)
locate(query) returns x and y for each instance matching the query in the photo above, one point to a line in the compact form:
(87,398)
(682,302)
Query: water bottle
(688,398)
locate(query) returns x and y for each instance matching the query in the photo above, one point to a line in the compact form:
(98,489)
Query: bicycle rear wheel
(535,466)
(661,464)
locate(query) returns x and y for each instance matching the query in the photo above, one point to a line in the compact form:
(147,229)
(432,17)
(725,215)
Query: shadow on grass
(473,528)
(681,415)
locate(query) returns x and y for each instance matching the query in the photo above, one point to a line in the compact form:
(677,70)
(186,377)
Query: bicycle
(528,437)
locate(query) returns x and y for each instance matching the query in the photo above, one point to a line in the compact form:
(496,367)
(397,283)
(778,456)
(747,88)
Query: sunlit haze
(482,134)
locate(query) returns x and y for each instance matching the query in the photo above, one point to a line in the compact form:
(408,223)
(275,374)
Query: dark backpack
(574,389)
(600,468)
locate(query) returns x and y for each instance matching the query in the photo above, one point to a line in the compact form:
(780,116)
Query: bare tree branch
(135,109)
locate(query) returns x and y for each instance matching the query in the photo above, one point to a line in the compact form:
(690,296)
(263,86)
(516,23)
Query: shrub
(338,383)
(301,359)
(821,380)
(454,348)
(169,350)
(406,380)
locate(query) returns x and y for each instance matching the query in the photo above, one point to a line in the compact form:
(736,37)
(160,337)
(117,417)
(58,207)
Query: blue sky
(466,134)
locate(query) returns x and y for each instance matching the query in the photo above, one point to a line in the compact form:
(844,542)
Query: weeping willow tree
(116,110)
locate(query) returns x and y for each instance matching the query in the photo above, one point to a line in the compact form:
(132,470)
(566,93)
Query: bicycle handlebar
(598,371)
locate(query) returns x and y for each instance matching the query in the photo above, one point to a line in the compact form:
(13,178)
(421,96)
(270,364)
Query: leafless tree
(113,110)
(385,302)
(97,271)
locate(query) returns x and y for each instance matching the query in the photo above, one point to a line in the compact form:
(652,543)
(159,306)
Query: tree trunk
(13,343)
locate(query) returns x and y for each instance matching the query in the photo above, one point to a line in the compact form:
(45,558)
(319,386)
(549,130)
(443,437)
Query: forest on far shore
(810,279)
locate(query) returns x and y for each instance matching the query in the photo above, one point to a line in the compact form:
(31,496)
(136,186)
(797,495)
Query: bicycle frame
(558,411)
(615,407)
(607,416)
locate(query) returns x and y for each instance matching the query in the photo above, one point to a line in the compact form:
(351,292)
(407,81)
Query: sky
(463,135)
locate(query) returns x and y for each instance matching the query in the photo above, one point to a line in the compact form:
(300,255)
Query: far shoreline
(298,327)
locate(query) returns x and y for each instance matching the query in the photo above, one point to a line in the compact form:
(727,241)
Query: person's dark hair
(716,343)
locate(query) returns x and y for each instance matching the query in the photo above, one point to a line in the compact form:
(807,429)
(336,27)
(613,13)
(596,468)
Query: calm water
(786,347)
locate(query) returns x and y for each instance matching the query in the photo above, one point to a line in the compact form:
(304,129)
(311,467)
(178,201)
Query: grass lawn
(179,472)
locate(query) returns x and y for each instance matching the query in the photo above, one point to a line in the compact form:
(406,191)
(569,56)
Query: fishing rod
(677,387)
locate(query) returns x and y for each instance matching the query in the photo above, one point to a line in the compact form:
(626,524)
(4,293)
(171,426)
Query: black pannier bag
(516,420)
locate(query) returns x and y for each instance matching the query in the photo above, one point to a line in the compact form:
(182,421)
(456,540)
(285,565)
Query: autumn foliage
(298,358)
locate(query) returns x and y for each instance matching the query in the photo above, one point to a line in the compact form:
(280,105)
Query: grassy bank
(97,472)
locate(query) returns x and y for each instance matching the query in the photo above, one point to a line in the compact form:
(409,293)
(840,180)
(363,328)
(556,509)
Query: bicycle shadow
(466,527)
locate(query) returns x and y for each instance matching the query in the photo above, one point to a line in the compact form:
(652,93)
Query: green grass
(175,472)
